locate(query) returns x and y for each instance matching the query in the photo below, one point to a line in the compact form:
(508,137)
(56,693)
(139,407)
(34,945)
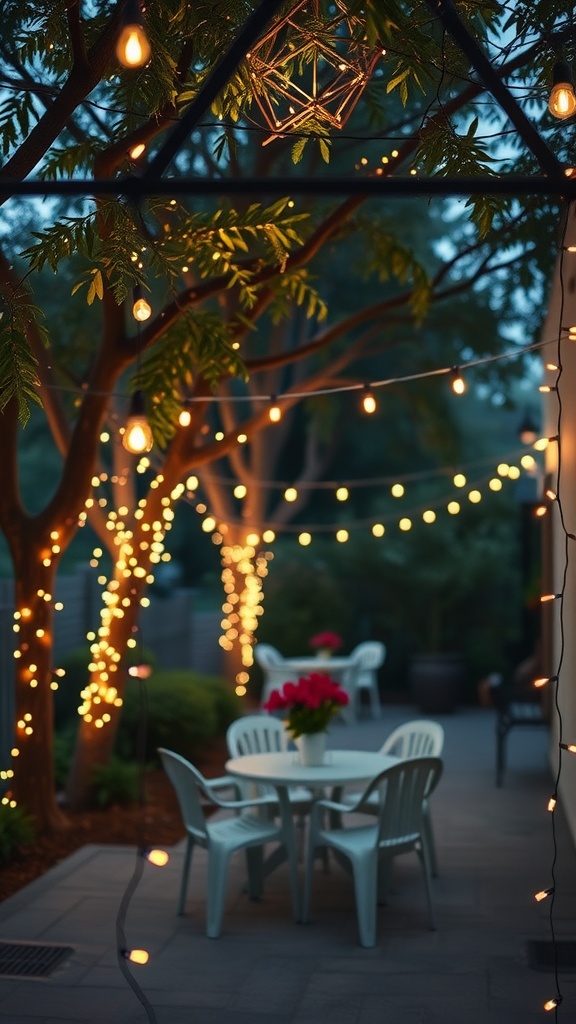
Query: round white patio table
(284,769)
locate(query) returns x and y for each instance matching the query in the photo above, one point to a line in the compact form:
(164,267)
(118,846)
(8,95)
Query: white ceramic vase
(311,748)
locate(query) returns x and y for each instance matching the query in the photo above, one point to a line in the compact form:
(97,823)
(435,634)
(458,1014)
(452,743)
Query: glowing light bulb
(137,437)
(136,956)
(544,680)
(275,412)
(342,494)
(539,896)
(133,48)
(457,382)
(551,1004)
(562,102)
(185,418)
(551,803)
(157,857)
(368,401)
(137,151)
(290,494)
(141,309)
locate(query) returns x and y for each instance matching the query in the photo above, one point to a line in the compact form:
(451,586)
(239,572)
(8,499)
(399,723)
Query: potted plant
(310,705)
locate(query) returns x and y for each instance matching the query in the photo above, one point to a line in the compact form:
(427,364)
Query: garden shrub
(16,832)
(116,782)
(64,741)
(185,711)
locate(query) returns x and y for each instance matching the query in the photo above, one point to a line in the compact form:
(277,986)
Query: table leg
(291,850)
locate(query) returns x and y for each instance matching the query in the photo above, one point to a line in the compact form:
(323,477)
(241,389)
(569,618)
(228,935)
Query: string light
(542,895)
(274,412)
(136,956)
(137,436)
(159,858)
(141,308)
(551,1004)
(133,48)
(562,102)
(544,680)
(457,382)
(368,401)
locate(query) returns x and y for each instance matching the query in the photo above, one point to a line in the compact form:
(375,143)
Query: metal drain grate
(546,956)
(31,960)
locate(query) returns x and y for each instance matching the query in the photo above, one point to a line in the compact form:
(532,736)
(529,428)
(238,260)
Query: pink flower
(310,703)
(329,640)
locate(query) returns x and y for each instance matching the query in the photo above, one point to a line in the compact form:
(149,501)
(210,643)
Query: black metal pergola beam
(445,11)
(556,185)
(252,28)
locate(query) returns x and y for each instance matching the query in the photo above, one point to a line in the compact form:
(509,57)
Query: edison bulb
(133,49)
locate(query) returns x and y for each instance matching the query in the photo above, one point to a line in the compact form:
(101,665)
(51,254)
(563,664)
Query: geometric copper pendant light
(308,73)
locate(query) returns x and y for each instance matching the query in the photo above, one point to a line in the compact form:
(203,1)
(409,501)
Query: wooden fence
(178,635)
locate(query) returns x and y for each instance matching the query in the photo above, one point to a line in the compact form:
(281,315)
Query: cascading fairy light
(243,571)
(32,620)
(136,552)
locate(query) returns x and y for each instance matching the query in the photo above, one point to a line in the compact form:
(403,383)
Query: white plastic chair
(417,738)
(263,734)
(275,670)
(368,850)
(367,657)
(220,838)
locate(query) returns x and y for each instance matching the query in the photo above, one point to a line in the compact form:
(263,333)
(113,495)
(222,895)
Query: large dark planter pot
(436,682)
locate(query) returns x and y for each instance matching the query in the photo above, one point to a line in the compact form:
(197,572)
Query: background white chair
(274,669)
(367,657)
(220,838)
(368,851)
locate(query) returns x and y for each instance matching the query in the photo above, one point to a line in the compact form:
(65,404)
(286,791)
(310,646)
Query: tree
(232,281)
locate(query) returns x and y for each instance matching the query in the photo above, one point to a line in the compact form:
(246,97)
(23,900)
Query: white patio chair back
(221,838)
(418,738)
(368,851)
(263,734)
(256,734)
(266,654)
(368,658)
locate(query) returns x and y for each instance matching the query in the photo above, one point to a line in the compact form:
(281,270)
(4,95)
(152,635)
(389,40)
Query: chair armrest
(236,805)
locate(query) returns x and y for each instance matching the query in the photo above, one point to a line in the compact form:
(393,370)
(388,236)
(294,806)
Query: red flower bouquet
(311,703)
(326,642)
